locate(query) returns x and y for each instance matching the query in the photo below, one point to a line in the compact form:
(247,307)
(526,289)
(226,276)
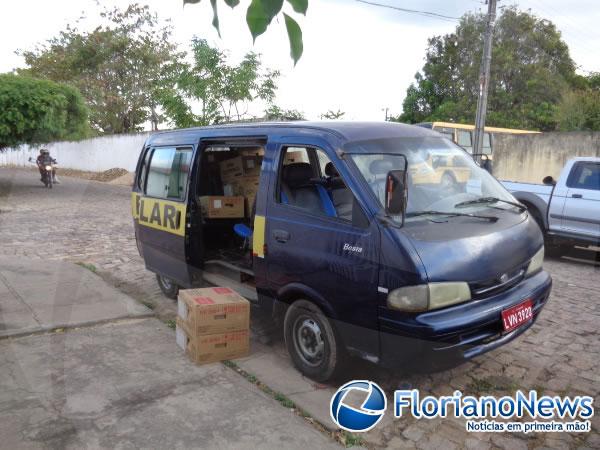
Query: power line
(412,11)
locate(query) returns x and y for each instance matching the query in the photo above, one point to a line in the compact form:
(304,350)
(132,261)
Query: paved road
(77,221)
(90,222)
(120,383)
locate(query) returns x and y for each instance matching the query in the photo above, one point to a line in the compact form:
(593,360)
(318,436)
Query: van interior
(227,186)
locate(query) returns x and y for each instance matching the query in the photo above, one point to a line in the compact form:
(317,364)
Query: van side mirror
(549,181)
(395,192)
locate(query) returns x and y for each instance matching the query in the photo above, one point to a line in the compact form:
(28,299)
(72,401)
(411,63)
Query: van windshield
(441,176)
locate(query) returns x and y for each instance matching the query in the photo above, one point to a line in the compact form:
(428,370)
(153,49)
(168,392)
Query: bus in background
(463,135)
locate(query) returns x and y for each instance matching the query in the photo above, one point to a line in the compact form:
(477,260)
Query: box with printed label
(209,348)
(213,310)
(247,186)
(252,165)
(221,207)
(295,156)
(256,151)
(231,169)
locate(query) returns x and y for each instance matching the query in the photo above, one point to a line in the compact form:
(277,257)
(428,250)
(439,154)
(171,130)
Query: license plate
(517,315)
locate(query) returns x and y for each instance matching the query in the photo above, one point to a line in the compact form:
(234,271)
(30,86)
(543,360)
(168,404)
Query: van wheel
(311,341)
(167,286)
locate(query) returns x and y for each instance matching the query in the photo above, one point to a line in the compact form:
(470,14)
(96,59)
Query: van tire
(167,286)
(305,317)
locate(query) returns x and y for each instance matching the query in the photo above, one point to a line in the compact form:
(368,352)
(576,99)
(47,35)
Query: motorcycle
(48,165)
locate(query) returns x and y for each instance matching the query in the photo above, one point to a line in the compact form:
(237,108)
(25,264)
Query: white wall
(97,154)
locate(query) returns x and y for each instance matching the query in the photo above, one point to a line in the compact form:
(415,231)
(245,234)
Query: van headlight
(425,297)
(536,263)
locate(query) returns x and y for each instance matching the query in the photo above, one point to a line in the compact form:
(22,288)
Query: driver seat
(299,189)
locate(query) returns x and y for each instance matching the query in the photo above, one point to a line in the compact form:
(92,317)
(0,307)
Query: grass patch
(539,389)
(350,440)
(171,323)
(492,384)
(88,266)
(480,385)
(341,436)
(286,402)
(148,304)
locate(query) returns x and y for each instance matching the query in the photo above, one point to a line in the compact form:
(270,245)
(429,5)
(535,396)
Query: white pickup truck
(567,210)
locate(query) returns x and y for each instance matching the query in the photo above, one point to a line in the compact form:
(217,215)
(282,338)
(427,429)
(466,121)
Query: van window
(141,180)
(295,155)
(168,173)
(308,180)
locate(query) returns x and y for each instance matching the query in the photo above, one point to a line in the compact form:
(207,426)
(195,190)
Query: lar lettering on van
(159,214)
(352,248)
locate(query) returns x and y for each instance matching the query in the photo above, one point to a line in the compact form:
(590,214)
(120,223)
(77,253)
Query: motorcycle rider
(44,159)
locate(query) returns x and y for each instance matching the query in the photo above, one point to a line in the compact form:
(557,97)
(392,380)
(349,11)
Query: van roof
(345,131)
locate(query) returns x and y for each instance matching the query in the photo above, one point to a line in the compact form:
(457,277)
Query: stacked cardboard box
(241,176)
(212,324)
(222,207)
(247,187)
(295,156)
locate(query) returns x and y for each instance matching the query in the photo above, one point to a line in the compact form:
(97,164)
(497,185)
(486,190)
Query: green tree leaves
(260,14)
(333,115)
(36,111)
(300,6)
(215,21)
(579,109)
(295,37)
(274,112)
(118,67)
(531,69)
(222,91)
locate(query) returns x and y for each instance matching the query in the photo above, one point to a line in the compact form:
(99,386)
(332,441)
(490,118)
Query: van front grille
(485,288)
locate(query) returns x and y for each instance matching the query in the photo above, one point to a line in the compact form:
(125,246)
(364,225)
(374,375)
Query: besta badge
(165,217)
(352,248)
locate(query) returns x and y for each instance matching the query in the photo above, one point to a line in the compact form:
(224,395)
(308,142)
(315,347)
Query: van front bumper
(459,332)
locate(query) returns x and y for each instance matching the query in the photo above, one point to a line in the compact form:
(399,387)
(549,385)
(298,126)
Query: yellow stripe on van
(161,215)
(258,236)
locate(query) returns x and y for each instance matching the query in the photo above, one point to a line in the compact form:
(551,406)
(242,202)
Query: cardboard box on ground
(212,324)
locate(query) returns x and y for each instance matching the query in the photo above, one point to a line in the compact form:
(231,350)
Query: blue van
(379,240)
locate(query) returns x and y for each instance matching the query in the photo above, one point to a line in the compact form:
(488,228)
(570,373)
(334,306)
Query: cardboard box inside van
(222,207)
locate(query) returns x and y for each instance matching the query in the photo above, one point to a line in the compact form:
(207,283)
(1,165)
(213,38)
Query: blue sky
(357,58)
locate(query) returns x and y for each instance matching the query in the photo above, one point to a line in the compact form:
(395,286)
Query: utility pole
(386,113)
(484,78)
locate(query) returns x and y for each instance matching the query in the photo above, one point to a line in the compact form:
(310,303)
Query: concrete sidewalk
(38,296)
(127,385)
(115,378)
